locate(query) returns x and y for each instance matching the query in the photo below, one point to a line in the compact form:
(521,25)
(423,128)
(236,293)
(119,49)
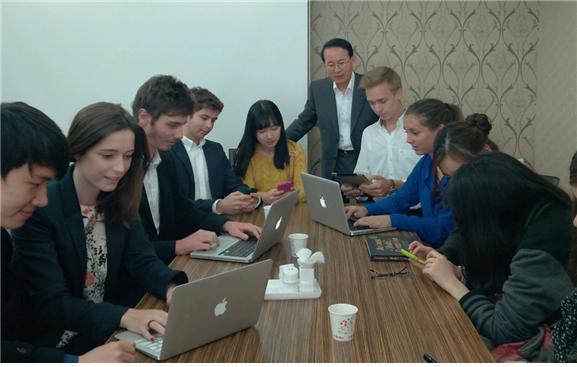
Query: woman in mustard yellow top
(266,159)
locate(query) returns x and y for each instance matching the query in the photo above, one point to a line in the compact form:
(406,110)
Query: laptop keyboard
(241,248)
(153,347)
(357,228)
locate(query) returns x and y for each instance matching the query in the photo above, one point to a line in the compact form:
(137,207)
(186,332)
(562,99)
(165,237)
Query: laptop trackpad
(225,241)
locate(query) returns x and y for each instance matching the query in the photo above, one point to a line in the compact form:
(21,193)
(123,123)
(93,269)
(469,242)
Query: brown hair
(203,98)
(94,123)
(433,112)
(162,94)
(381,74)
(462,140)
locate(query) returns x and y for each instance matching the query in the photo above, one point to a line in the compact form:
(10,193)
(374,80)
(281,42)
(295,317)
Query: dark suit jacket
(14,351)
(50,260)
(179,216)
(321,106)
(221,176)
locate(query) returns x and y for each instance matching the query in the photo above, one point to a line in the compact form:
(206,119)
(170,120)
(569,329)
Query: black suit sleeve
(226,181)
(20,352)
(145,266)
(165,250)
(305,121)
(189,215)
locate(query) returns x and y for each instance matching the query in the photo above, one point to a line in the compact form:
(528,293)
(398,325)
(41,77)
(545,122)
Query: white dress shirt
(199,168)
(199,171)
(344,101)
(151,189)
(386,154)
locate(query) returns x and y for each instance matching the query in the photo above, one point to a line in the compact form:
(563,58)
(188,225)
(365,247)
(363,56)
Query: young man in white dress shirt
(385,156)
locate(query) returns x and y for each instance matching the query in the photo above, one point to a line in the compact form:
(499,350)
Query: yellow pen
(412,256)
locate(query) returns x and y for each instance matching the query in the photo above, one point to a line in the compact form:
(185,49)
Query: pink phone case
(285,186)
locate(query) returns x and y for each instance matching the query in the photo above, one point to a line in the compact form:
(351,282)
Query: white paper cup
(343,319)
(298,241)
(266,209)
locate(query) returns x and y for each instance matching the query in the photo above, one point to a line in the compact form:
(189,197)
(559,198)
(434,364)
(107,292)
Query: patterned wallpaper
(479,55)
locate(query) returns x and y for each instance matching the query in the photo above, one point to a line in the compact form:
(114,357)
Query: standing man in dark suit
(339,106)
(202,166)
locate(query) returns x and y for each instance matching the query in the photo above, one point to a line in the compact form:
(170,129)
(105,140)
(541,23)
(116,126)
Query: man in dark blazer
(174,223)
(34,150)
(339,107)
(202,165)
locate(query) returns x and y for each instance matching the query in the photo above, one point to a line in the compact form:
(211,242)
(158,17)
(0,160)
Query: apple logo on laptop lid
(322,201)
(277,225)
(220,307)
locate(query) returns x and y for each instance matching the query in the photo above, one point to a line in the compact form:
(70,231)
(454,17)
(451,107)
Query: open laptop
(325,202)
(208,309)
(236,250)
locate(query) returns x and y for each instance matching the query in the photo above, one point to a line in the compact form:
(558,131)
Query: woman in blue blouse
(425,185)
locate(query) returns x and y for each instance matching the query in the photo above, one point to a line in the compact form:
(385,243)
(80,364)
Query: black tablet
(353,179)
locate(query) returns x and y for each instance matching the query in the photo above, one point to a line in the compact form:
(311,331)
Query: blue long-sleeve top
(437,220)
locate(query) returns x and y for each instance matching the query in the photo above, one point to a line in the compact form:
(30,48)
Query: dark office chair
(232,155)
(553,179)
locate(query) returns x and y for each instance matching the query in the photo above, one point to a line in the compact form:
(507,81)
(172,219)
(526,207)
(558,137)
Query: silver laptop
(237,250)
(208,309)
(325,202)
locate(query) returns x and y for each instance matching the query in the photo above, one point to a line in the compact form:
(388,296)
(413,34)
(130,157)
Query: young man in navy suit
(34,151)
(174,223)
(202,164)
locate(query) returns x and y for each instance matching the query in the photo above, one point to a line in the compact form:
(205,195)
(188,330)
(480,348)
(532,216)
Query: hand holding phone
(285,186)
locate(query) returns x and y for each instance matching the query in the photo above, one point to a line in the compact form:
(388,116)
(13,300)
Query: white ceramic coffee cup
(343,319)
(298,241)
(266,209)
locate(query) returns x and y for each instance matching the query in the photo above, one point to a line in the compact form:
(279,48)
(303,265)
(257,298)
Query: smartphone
(285,186)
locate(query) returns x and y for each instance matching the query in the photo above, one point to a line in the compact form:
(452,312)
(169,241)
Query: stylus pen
(429,359)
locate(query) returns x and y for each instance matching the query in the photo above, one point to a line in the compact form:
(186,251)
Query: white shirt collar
(189,143)
(400,122)
(156,160)
(349,86)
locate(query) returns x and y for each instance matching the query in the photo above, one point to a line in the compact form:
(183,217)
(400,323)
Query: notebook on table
(326,206)
(237,250)
(386,247)
(208,309)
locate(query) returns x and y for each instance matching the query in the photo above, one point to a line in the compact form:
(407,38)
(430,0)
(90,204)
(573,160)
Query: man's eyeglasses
(339,64)
(377,275)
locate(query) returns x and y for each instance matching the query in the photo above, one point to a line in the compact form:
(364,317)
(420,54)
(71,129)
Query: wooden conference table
(399,318)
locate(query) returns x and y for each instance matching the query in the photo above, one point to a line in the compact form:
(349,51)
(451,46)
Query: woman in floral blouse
(74,248)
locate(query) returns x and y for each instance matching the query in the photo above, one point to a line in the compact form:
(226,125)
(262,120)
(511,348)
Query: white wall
(60,57)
